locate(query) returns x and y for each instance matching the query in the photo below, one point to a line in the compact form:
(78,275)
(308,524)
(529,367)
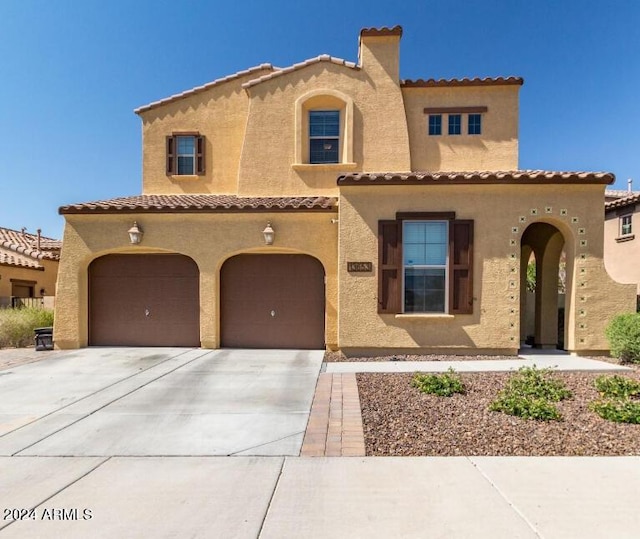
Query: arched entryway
(542,244)
(144,300)
(272,301)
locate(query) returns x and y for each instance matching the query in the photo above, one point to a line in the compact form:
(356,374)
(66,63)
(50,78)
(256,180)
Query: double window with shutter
(185,154)
(425,264)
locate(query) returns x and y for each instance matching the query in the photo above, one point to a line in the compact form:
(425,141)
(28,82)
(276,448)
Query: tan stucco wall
(219,114)
(495,149)
(622,258)
(209,239)
(380,141)
(43,279)
(257,138)
(495,323)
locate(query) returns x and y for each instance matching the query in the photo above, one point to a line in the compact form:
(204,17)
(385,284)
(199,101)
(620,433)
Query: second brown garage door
(272,301)
(144,300)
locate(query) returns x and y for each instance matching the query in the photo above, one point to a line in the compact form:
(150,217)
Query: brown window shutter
(200,147)
(171,160)
(389,267)
(461,267)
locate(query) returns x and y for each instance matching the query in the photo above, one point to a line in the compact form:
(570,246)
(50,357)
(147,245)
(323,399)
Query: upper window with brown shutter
(185,154)
(425,264)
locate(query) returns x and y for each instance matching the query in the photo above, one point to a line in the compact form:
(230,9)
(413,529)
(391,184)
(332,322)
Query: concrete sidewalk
(295,497)
(559,362)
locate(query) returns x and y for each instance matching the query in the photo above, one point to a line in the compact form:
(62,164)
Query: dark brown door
(144,300)
(272,301)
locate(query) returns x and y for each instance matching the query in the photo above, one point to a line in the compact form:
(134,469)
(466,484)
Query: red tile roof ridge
(204,87)
(466,81)
(200,202)
(516,176)
(285,70)
(382,31)
(622,202)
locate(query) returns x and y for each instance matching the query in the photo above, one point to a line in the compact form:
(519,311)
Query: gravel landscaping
(400,420)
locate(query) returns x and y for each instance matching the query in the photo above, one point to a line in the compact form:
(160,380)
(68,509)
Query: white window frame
(428,266)
(326,137)
(191,155)
(630,224)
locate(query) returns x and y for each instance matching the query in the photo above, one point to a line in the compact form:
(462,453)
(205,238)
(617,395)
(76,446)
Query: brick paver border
(335,421)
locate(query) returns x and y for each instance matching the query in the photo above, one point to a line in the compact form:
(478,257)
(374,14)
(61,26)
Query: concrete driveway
(110,443)
(158,402)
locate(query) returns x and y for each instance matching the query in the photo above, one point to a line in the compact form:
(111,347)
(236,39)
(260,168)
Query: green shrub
(526,407)
(623,333)
(444,385)
(617,387)
(530,394)
(537,384)
(618,410)
(17,325)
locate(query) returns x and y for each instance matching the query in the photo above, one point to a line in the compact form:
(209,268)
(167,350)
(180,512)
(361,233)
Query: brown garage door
(144,300)
(272,301)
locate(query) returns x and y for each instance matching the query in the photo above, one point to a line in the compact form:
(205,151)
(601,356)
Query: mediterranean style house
(621,248)
(28,268)
(332,204)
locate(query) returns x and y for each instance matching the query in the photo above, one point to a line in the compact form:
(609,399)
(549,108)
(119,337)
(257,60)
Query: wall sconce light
(269,234)
(135,233)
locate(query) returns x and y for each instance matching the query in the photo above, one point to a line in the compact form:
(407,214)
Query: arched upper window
(324,128)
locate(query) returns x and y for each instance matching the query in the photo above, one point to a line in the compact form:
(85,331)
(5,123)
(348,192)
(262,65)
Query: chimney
(379,52)
(629,185)
(39,238)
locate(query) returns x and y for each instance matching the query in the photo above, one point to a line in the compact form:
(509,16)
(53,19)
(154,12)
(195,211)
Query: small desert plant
(618,410)
(617,387)
(531,394)
(17,325)
(619,399)
(444,385)
(623,333)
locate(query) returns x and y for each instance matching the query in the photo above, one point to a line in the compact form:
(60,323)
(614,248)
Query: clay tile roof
(25,245)
(500,177)
(487,81)
(201,203)
(619,193)
(622,202)
(384,31)
(8,259)
(204,87)
(283,71)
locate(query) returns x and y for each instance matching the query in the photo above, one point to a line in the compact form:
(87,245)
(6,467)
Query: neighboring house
(333,204)
(28,268)
(622,236)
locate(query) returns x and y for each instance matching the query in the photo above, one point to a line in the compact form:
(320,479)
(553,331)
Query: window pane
(435,124)
(414,232)
(324,123)
(186,145)
(475,124)
(324,150)
(424,290)
(455,122)
(425,243)
(414,254)
(185,164)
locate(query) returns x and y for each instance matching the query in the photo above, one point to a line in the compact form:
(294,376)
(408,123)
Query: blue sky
(72,71)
